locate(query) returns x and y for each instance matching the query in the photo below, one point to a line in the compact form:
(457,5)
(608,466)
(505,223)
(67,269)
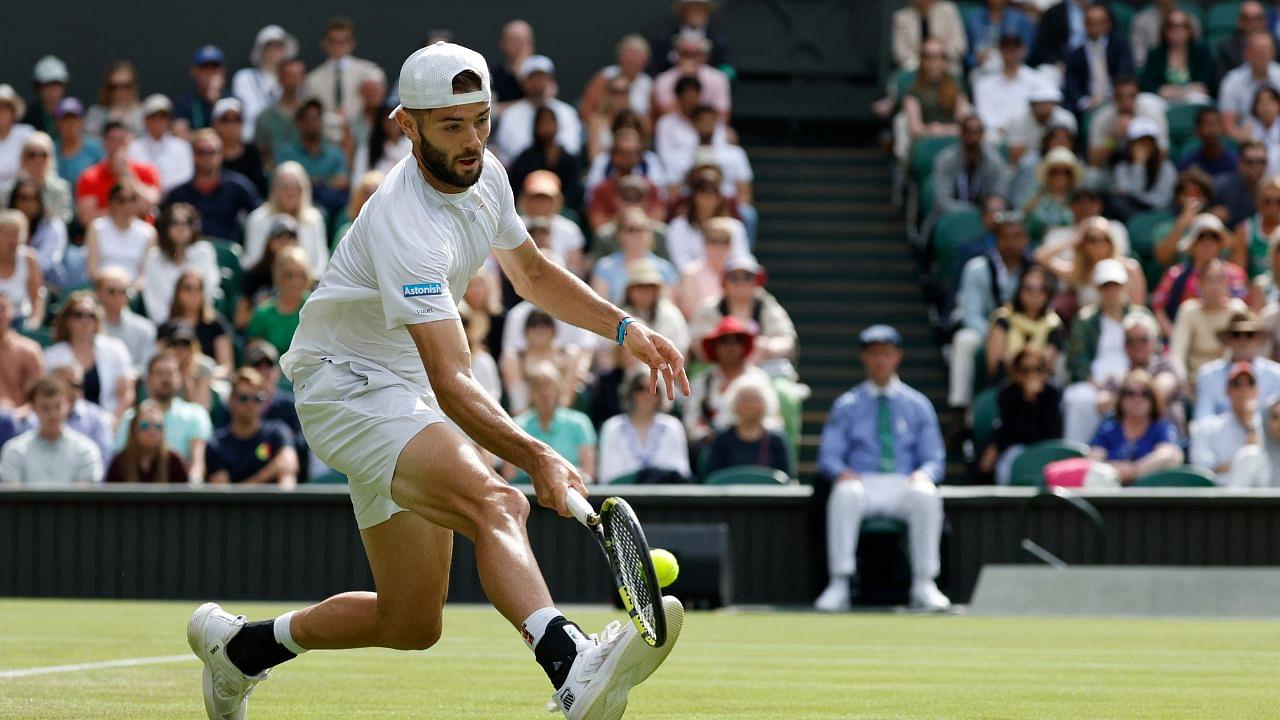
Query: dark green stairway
(838,261)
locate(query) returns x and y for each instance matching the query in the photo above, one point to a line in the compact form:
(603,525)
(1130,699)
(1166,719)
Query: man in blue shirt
(249,449)
(224,198)
(882,449)
(324,162)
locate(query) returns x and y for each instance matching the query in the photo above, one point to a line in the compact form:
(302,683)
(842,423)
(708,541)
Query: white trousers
(894,496)
(963,346)
(1080,416)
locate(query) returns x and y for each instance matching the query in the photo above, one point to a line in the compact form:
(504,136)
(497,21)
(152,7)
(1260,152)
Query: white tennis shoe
(603,675)
(926,596)
(835,598)
(226,688)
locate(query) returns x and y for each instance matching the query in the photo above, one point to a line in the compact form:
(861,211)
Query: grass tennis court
(728,665)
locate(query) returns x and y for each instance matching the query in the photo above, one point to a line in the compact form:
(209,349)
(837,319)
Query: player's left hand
(664,360)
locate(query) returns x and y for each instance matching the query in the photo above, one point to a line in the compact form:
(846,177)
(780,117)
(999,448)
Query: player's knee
(416,634)
(512,502)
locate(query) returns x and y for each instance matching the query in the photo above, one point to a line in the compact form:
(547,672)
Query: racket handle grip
(580,508)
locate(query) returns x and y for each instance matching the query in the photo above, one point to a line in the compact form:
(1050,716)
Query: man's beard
(438,163)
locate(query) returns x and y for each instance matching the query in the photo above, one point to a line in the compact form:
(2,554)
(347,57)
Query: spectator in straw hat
(1244,339)
(647,298)
(1057,176)
(1202,243)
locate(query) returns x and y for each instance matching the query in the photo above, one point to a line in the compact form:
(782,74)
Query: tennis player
(378,362)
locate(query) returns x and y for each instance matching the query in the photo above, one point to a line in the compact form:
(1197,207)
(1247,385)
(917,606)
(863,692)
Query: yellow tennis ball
(665,565)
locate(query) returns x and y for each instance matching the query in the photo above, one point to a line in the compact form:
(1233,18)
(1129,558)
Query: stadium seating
(1182,126)
(1222,17)
(229,263)
(1028,468)
(1181,476)
(986,413)
(954,229)
(747,475)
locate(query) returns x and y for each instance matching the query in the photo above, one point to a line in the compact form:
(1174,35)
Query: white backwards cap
(426,78)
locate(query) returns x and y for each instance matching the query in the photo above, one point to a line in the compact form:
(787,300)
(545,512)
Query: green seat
(1222,17)
(882,526)
(1182,123)
(791,397)
(1181,476)
(903,82)
(923,152)
(628,479)
(986,413)
(333,477)
(1121,16)
(42,335)
(1028,468)
(747,475)
(954,229)
(1142,229)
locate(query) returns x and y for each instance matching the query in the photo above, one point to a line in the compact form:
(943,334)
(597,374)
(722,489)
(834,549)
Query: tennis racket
(621,538)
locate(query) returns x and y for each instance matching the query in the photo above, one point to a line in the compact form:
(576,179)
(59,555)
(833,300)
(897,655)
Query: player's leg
(846,507)
(410,559)
(920,506)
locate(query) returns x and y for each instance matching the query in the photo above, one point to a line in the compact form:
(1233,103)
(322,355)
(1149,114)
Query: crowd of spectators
(1097,186)
(157,251)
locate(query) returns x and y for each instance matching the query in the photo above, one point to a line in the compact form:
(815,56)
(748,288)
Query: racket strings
(632,567)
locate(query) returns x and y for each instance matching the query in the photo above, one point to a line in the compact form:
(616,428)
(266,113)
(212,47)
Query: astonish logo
(423,289)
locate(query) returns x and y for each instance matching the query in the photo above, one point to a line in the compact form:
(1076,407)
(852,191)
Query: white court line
(125,662)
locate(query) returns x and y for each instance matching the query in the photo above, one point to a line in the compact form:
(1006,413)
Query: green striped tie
(888,461)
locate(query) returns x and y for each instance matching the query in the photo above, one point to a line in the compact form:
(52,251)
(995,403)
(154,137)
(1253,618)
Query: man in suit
(1093,67)
(1060,31)
(336,82)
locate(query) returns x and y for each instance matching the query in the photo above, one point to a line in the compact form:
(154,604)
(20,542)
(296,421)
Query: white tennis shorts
(357,418)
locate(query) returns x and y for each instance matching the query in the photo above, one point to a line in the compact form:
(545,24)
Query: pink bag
(1080,472)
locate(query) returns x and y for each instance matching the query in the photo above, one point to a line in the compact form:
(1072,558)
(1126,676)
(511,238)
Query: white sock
(283,634)
(535,625)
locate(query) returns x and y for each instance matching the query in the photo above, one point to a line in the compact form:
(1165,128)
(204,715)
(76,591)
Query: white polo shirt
(407,259)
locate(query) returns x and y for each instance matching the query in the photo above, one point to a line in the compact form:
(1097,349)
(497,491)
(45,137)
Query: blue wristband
(622,328)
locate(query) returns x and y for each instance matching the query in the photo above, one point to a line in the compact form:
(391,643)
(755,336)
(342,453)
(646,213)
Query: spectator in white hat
(50,78)
(12,133)
(170,154)
(1044,111)
(693,51)
(258,86)
(1144,179)
(515,128)
(237,155)
(746,299)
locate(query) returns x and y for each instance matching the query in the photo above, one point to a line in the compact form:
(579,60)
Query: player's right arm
(445,354)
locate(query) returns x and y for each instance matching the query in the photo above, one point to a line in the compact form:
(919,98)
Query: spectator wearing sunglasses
(13,134)
(1237,192)
(1030,411)
(1230,443)
(38,164)
(105,361)
(250,450)
(222,197)
(1027,321)
(1245,342)
(1138,439)
(146,457)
